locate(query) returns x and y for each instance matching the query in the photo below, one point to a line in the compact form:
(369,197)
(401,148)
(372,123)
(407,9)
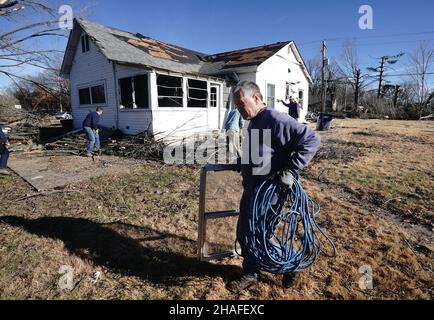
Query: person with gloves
(278,146)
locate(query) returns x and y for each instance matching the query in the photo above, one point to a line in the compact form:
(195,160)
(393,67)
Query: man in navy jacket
(90,126)
(286,147)
(4,153)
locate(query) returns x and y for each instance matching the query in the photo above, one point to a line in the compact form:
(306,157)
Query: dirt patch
(50,172)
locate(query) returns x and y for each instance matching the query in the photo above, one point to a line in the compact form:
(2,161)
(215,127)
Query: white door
(214,106)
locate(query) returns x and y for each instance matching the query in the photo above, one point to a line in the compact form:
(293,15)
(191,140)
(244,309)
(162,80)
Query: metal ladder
(202,251)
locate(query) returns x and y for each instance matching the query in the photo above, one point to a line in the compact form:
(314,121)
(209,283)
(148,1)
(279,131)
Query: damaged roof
(136,49)
(245,57)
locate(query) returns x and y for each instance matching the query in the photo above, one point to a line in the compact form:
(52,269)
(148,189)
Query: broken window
(213,97)
(126,87)
(141,91)
(84,43)
(170,91)
(92,95)
(197,94)
(134,92)
(270,95)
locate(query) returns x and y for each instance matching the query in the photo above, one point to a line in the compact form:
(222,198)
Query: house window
(92,95)
(197,94)
(213,97)
(270,95)
(287,90)
(134,92)
(84,43)
(170,91)
(98,94)
(300,97)
(84,95)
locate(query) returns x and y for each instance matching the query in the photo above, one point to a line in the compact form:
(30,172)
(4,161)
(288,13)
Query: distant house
(148,85)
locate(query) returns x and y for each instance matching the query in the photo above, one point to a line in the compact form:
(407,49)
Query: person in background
(233,126)
(90,126)
(4,153)
(293,107)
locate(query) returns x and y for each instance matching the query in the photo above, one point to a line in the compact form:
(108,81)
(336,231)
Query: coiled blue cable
(284,235)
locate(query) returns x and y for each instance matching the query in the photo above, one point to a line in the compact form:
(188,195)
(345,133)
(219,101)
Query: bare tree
(421,61)
(314,68)
(385,65)
(16,46)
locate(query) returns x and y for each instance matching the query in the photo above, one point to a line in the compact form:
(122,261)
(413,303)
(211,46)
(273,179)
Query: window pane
(213,97)
(126,93)
(197,94)
(170,91)
(300,94)
(83,48)
(84,96)
(98,94)
(87,42)
(141,91)
(270,95)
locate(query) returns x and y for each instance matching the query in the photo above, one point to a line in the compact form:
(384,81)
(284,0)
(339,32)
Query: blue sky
(217,26)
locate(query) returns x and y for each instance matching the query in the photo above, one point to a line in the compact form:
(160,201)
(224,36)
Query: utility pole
(381,76)
(395,98)
(357,88)
(323,87)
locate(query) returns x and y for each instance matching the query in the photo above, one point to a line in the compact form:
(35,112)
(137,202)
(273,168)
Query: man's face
(248,107)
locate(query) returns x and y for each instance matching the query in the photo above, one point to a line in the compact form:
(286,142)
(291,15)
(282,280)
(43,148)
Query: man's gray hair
(249,88)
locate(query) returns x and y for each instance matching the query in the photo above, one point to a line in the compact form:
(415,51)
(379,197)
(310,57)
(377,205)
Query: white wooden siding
(275,71)
(90,68)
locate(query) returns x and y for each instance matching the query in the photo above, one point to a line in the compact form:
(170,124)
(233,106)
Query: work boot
(88,155)
(244,282)
(289,279)
(4,171)
(98,152)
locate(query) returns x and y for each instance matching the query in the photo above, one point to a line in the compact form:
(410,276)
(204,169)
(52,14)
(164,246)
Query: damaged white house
(144,84)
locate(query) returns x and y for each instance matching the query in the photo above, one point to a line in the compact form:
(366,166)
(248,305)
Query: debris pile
(70,145)
(141,146)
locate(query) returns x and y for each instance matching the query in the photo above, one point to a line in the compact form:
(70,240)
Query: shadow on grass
(156,257)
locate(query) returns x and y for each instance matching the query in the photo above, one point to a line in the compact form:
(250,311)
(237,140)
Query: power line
(404,74)
(369,37)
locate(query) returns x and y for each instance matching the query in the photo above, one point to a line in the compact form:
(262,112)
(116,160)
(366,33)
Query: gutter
(116,94)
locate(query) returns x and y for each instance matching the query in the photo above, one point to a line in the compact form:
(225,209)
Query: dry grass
(133,235)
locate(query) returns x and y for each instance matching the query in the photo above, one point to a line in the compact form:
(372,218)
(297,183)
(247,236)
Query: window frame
(85,43)
(89,87)
(207,92)
(301,100)
(181,97)
(274,95)
(133,92)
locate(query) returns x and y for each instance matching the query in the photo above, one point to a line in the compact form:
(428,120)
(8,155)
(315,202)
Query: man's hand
(287,177)
(97,131)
